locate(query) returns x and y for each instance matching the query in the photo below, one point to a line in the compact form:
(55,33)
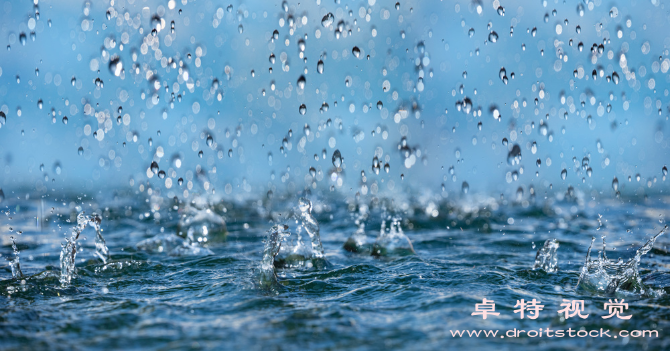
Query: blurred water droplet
(327,20)
(514,155)
(356,51)
(337,158)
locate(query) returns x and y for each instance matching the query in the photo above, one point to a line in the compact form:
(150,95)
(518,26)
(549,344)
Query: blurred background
(246,98)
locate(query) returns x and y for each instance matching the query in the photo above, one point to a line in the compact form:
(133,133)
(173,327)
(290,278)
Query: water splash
(392,242)
(14,264)
(101,250)
(546,258)
(311,226)
(68,252)
(199,223)
(358,242)
(617,277)
(276,235)
(296,253)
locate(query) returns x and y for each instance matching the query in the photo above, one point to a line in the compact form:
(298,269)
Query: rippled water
(466,250)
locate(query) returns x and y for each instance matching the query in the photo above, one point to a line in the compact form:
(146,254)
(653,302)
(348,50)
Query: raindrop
(356,51)
(615,77)
(337,158)
(154,167)
(115,65)
(514,156)
(327,20)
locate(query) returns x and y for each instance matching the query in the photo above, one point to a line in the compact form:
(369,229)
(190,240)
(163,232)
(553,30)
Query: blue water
(468,252)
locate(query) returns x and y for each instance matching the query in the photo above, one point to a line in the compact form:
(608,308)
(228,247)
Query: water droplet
(514,155)
(116,65)
(465,187)
(154,167)
(356,51)
(493,37)
(564,174)
(327,20)
(337,158)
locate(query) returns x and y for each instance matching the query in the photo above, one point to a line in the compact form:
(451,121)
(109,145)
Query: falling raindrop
(337,158)
(356,51)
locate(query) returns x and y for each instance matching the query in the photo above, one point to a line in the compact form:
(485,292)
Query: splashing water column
(68,253)
(311,226)
(546,258)
(621,276)
(276,235)
(14,264)
(393,242)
